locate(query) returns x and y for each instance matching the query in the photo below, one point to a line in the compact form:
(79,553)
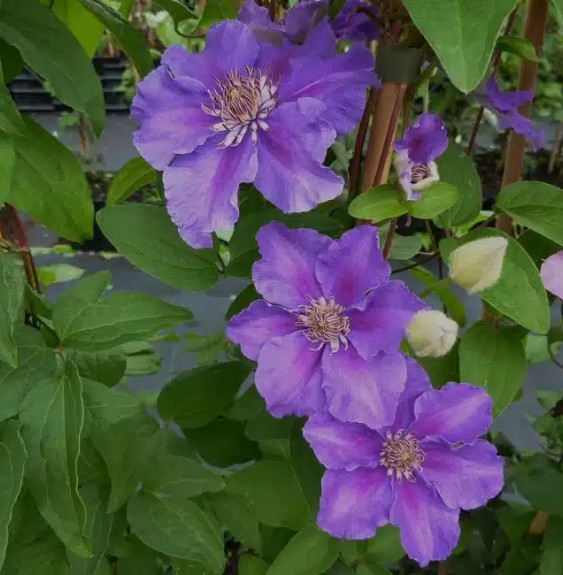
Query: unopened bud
(431,333)
(477,265)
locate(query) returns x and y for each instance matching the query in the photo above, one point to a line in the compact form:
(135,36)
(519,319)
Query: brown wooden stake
(537,526)
(534,29)
(556,149)
(359,146)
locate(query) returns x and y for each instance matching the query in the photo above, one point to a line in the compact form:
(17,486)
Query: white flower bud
(431,333)
(477,265)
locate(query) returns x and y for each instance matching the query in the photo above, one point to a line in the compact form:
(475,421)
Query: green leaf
(7,164)
(242,301)
(519,293)
(140,560)
(379,203)
(272,487)
(127,448)
(106,406)
(98,529)
(238,516)
(10,119)
(264,426)
(454,307)
(107,367)
(84,27)
(198,396)
(518,46)
(57,273)
(130,38)
(173,476)
(310,552)
(404,247)
(10,61)
(12,462)
(216,10)
(306,468)
(222,443)
(53,416)
(132,176)
(178,11)
(538,479)
(251,565)
(162,253)
(45,556)
(48,183)
(36,362)
(385,547)
(552,548)
(536,205)
(12,282)
(462,33)
(495,360)
(54,53)
(435,199)
(442,370)
(177,527)
(86,322)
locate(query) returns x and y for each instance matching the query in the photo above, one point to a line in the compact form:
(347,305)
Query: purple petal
(352,265)
(285,275)
(504,100)
(523,126)
(258,20)
(466,476)
(302,17)
(340,83)
(288,376)
(456,412)
(552,274)
(417,383)
(354,503)
(290,154)
(340,445)
(429,529)
(257,324)
(425,140)
(351,24)
(201,189)
(379,322)
(229,45)
(182,63)
(363,391)
(321,41)
(170,117)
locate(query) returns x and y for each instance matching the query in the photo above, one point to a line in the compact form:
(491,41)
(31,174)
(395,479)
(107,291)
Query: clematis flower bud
(431,333)
(477,265)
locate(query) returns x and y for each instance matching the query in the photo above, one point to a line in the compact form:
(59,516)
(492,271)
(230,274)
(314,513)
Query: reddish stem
(359,146)
(389,238)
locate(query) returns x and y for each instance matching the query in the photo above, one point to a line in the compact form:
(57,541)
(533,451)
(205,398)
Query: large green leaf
(552,548)
(174,476)
(127,448)
(7,163)
(216,10)
(12,282)
(10,119)
(83,25)
(54,53)
(198,396)
(457,168)
(178,11)
(12,461)
(462,33)
(539,479)
(48,183)
(53,416)
(131,177)
(311,551)
(177,527)
(435,199)
(105,406)
(519,293)
(378,204)
(162,253)
(36,362)
(495,360)
(536,205)
(107,367)
(85,321)
(44,556)
(251,565)
(130,38)
(272,487)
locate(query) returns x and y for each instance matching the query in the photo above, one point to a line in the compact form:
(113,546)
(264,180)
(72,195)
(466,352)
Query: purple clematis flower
(552,274)
(326,334)
(239,112)
(416,474)
(505,105)
(424,141)
(351,23)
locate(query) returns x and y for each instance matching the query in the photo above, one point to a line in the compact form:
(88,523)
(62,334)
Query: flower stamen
(242,103)
(400,455)
(419,172)
(325,323)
